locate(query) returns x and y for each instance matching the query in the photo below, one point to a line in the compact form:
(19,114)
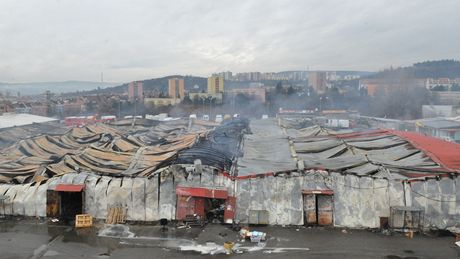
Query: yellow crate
(83,221)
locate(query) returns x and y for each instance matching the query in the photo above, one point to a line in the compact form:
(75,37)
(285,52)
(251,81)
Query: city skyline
(77,40)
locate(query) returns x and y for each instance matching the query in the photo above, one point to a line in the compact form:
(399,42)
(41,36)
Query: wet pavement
(38,239)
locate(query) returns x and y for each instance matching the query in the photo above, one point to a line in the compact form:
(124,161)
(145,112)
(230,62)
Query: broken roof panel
(266,150)
(364,153)
(440,151)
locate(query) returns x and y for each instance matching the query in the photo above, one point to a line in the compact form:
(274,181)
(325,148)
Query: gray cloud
(61,40)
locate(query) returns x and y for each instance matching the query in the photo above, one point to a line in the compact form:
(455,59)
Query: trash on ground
(228,246)
(211,248)
(254,236)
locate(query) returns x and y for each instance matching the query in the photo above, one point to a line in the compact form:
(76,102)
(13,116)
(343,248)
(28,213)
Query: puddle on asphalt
(121,231)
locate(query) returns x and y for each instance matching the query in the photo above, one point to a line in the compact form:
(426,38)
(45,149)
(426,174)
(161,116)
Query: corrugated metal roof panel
(445,153)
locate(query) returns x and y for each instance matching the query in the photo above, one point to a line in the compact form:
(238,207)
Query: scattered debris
(344,231)
(254,236)
(194,220)
(386,232)
(229,246)
(208,248)
(410,234)
(282,250)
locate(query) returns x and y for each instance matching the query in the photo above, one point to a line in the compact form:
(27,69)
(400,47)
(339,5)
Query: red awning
(69,187)
(202,192)
(323,192)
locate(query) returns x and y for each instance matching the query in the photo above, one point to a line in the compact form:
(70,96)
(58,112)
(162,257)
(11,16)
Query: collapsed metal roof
(265,150)
(371,152)
(104,150)
(141,151)
(276,148)
(9,136)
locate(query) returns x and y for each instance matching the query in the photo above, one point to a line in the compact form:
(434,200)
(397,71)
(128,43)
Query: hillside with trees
(435,69)
(159,84)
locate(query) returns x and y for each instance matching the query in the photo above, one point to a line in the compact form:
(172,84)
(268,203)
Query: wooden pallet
(83,221)
(116,215)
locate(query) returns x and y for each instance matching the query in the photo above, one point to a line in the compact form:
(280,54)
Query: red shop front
(209,203)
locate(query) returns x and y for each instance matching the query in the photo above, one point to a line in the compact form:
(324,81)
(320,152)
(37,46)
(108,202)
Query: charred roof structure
(264,172)
(350,179)
(104,150)
(10,135)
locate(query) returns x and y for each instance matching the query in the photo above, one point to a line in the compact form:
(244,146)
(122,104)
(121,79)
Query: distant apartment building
(227,75)
(73,108)
(447,97)
(255,76)
(257,93)
(176,88)
(152,102)
(249,76)
(373,85)
(317,80)
(269,76)
(292,75)
(135,91)
(332,76)
(443,82)
(40,109)
(215,84)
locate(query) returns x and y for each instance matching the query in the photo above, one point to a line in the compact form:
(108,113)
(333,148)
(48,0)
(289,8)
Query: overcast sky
(52,40)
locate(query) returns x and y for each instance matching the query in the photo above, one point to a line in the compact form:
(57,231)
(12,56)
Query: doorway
(211,205)
(214,210)
(318,207)
(65,202)
(71,204)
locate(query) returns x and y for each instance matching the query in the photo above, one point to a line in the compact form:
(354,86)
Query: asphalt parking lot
(39,239)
